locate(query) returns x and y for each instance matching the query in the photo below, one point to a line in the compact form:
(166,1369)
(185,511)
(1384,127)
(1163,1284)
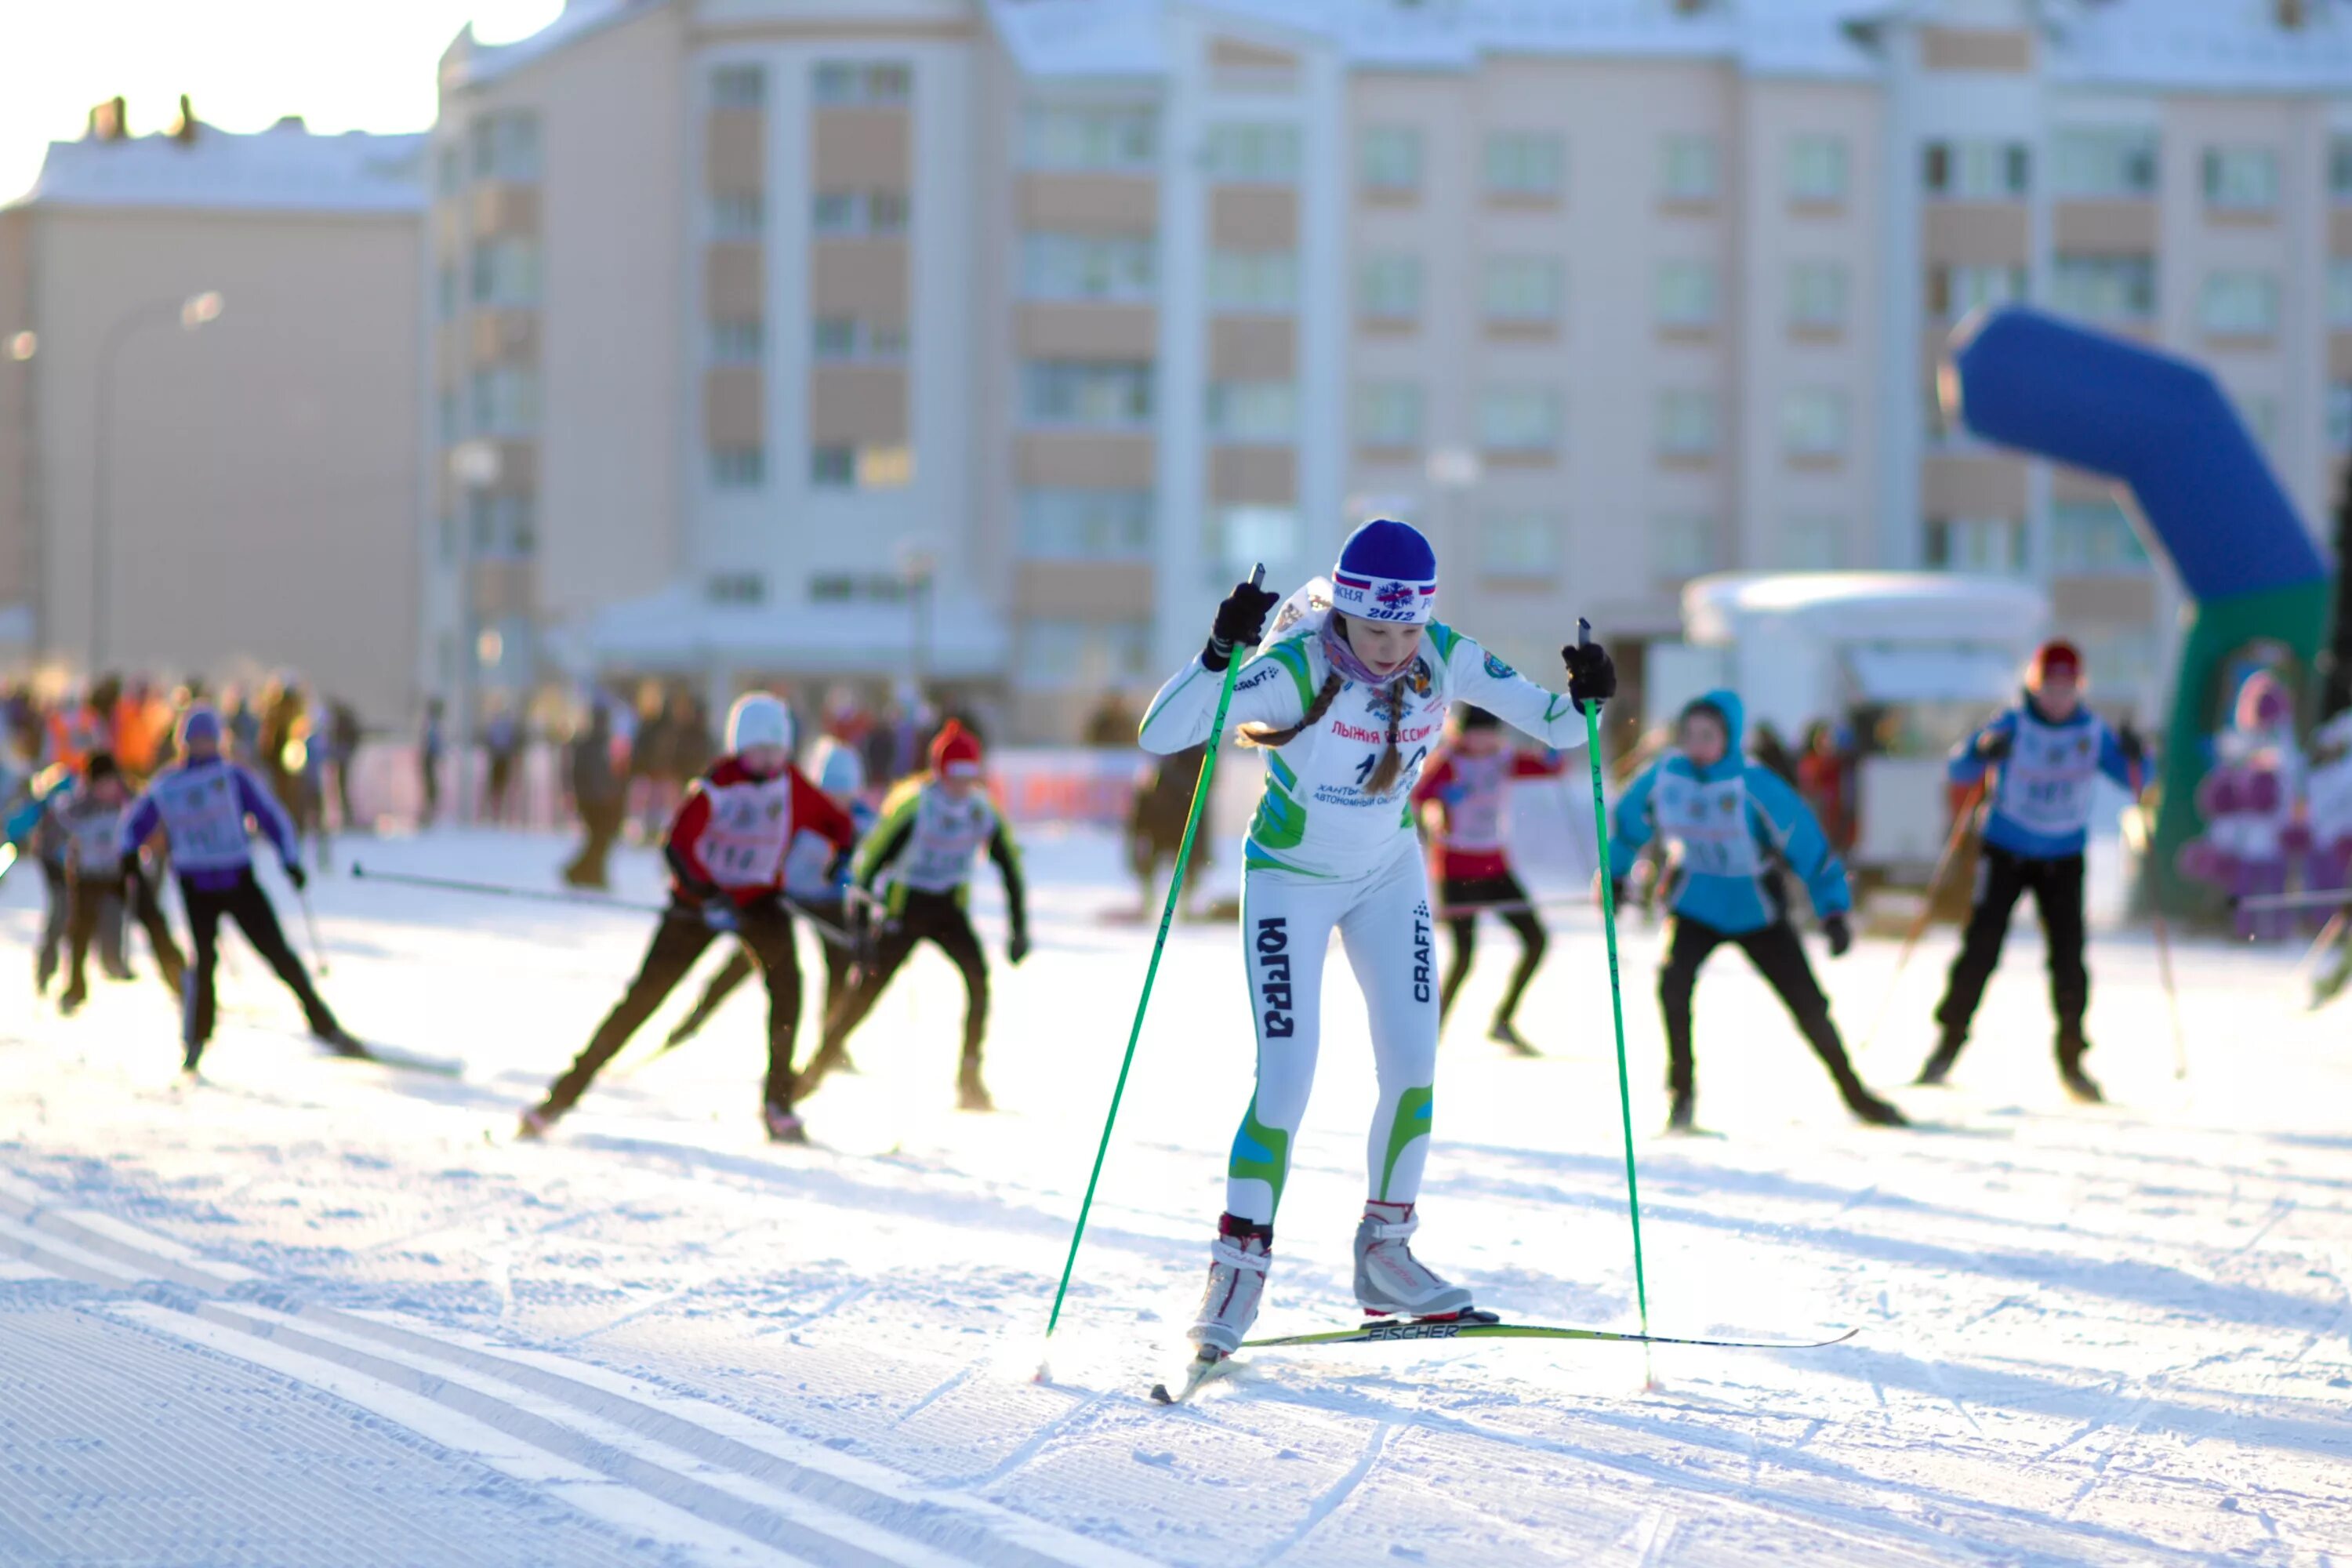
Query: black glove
(1017,948)
(1840,933)
(1993,745)
(1592,674)
(2135,748)
(1240,619)
(296,875)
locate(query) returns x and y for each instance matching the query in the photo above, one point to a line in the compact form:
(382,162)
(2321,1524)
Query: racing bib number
(1708,826)
(2046,781)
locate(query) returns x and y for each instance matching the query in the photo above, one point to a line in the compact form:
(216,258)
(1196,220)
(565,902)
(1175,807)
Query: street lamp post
(193,311)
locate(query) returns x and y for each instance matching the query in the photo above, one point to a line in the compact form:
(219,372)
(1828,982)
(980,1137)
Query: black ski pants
(95,909)
(1778,955)
(741,965)
(2002,878)
(765,930)
(940,919)
(1460,894)
(243,903)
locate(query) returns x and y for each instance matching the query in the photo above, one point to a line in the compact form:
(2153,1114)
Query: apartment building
(209,445)
(986,343)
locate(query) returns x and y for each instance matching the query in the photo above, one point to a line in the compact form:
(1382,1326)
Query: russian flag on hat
(1387,571)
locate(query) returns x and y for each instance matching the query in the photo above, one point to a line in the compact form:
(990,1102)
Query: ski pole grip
(1257,575)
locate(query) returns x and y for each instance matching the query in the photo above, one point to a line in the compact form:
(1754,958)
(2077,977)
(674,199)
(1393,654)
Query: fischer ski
(1436,1329)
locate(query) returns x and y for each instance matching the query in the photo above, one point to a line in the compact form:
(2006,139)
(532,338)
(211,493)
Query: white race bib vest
(203,819)
(2046,780)
(96,835)
(1475,822)
(750,825)
(1708,823)
(945,841)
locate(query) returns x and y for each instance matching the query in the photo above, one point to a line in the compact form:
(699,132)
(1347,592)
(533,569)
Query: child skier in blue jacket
(1733,829)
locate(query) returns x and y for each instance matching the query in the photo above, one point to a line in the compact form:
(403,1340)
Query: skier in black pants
(727,847)
(1734,826)
(2049,750)
(102,884)
(202,804)
(932,828)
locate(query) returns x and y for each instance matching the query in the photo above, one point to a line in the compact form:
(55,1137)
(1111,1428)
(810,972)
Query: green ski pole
(1151,974)
(1616,993)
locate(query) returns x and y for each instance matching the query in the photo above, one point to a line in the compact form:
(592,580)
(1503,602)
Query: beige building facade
(209,433)
(985,343)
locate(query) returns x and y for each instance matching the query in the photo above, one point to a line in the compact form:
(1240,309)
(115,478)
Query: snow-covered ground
(316,1313)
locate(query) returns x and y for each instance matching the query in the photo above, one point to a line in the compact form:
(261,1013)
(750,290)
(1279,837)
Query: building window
(736,588)
(843,83)
(1110,395)
(2093,538)
(1687,422)
(835,214)
(739,468)
(1812,544)
(1817,295)
(738,340)
(445,290)
(1249,153)
(738,87)
(1685,294)
(1682,544)
(1389,289)
(1976,171)
(1054,653)
(2339,416)
(452,419)
(1388,160)
(2239,304)
(1522,290)
(2260,414)
(2339,292)
(505,272)
(1252,411)
(833,467)
(1121,138)
(502,524)
(1388,414)
(1817,169)
(505,400)
(1814,422)
(1954,292)
(2240,179)
(1086,525)
(1518,419)
(1687,169)
(2102,162)
(841,467)
(451,168)
(856,339)
(2105,287)
(1992,544)
(2339,168)
(1525,163)
(740,215)
(852,588)
(1518,544)
(505,145)
(1056,266)
(1257,280)
(1242,536)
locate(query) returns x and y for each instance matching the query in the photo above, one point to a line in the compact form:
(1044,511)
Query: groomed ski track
(308,1311)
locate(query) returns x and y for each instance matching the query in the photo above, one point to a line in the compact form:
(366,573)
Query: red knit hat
(955,751)
(2056,656)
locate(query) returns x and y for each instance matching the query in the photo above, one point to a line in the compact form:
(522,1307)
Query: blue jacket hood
(1735,724)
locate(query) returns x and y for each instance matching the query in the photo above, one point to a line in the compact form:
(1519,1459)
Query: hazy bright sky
(342,64)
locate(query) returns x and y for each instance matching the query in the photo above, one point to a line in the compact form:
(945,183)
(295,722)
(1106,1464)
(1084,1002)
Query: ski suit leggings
(1778,955)
(243,903)
(2002,879)
(766,932)
(1469,894)
(1383,922)
(740,966)
(936,918)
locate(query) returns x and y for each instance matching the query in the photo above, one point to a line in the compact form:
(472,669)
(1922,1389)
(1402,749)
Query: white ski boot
(1390,1281)
(1237,1266)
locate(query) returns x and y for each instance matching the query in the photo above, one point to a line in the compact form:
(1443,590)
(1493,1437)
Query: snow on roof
(2214,45)
(1902,607)
(284,168)
(469,62)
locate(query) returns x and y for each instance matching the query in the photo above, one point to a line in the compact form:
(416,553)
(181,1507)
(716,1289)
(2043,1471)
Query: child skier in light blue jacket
(1734,831)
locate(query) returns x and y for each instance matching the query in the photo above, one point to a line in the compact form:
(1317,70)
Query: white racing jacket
(1315,817)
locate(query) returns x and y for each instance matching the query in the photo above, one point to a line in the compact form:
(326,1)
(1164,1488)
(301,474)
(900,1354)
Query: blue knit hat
(1387,571)
(200,723)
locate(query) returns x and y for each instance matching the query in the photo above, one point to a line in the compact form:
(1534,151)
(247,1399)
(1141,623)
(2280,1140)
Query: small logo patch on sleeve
(1497,668)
